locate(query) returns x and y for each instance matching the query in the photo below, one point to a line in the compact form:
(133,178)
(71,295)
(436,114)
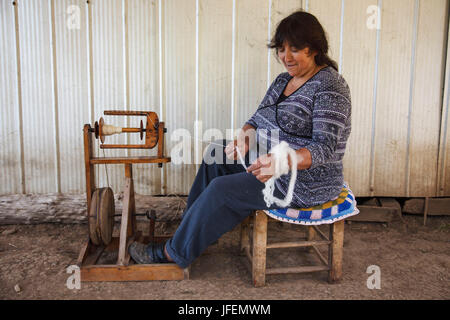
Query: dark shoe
(156,252)
(138,252)
(146,254)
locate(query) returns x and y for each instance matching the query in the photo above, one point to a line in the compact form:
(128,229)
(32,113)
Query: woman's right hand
(230,149)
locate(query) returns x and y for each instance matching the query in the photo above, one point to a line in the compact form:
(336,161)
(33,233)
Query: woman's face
(297,62)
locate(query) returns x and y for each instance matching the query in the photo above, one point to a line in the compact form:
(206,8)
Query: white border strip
(90,73)
(233,64)
(19,97)
(444,139)
(160,52)
(57,157)
(161,87)
(269,26)
(197,104)
(341,36)
(411,96)
(125,56)
(126,67)
(445,117)
(374,105)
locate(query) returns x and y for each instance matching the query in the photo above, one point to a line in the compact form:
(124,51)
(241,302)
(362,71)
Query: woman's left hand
(263,168)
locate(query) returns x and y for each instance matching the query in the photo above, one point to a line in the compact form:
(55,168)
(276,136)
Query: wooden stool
(257,224)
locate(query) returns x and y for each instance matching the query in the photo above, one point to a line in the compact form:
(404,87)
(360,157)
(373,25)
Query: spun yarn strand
(281,152)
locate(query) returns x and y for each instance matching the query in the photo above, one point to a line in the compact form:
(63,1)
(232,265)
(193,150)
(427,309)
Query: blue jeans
(221,197)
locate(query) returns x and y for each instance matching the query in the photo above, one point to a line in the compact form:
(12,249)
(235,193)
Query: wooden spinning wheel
(101,208)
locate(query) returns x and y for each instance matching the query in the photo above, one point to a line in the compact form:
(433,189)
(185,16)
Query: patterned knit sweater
(317,116)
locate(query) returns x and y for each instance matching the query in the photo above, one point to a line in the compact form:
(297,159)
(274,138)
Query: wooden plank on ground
(371,202)
(137,272)
(71,208)
(392,203)
(436,206)
(373,214)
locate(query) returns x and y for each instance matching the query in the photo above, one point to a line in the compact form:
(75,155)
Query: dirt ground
(414,261)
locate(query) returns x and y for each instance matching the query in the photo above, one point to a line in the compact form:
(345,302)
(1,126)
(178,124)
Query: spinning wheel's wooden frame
(124,269)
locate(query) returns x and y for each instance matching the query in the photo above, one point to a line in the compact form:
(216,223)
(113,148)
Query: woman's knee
(229,192)
(216,184)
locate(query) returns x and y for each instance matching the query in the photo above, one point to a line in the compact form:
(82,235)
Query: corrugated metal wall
(62,62)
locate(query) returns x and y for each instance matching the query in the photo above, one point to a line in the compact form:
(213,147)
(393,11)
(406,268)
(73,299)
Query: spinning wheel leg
(128,223)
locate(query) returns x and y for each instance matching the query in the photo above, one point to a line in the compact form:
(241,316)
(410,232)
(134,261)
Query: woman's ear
(309,52)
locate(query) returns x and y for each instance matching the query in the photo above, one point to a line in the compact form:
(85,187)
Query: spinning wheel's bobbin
(101,216)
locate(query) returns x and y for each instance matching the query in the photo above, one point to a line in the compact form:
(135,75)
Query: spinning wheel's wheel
(101,216)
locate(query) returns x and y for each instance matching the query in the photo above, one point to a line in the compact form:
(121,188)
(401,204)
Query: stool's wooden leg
(259,249)
(245,239)
(311,236)
(335,254)
(311,233)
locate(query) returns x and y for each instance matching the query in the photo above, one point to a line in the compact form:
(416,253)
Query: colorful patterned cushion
(342,207)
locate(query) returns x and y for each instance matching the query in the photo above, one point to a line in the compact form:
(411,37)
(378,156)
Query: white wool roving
(281,153)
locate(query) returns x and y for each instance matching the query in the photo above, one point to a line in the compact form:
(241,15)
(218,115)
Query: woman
(309,107)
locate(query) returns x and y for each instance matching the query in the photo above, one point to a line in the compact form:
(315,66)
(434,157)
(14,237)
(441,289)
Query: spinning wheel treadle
(101,216)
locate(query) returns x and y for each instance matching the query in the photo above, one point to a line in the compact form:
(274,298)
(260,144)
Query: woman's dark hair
(301,30)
